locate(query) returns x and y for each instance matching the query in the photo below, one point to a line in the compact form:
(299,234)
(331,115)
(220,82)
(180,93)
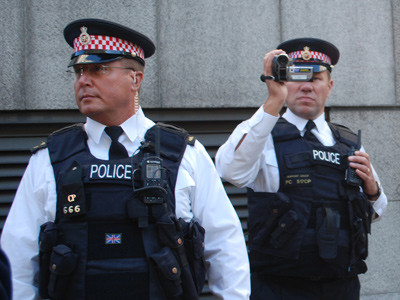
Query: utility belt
(178,263)
(299,237)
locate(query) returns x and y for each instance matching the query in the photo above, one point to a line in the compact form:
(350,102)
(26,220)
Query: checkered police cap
(311,52)
(97,41)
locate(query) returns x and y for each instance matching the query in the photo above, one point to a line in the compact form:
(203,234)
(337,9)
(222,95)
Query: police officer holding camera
(312,190)
(119,207)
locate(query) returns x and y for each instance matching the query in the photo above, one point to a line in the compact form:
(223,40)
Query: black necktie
(117,150)
(308,135)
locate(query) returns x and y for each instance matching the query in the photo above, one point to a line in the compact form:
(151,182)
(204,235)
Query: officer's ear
(330,85)
(137,78)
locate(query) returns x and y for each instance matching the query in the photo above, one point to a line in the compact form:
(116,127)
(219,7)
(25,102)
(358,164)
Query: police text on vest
(111,171)
(331,157)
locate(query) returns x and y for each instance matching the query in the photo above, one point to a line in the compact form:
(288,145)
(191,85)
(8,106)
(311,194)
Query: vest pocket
(328,226)
(276,226)
(47,240)
(63,262)
(193,234)
(265,209)
(197,261)
(362,212)
(169,272)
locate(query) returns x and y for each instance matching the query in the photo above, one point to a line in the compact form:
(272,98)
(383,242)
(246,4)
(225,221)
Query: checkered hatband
(100,42)
(313,55)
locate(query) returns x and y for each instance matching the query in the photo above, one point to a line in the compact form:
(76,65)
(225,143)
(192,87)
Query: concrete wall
(209,54)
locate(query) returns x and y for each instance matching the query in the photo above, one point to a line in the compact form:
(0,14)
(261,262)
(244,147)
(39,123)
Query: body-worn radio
(153,179)
(351,176)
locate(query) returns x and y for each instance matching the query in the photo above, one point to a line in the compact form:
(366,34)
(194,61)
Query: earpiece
(136,102)
(134,78)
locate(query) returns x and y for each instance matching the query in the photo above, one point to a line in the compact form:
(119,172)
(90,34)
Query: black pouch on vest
(63,262)
(364,210)
(168,271)
(361,225)
(169,231)
(47,240)
(275,205)
(288,224)
(193,234)
(328,226)
(360,239)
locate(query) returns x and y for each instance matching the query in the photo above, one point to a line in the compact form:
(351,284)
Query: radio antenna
(157,141)
(359,139)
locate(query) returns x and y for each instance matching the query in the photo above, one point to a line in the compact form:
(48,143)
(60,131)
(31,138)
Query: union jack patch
(113,238)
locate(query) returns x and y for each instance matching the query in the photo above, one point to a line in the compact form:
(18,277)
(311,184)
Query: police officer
(308,226)
(118,208)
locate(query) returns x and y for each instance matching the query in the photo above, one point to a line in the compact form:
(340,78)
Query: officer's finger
(268,61)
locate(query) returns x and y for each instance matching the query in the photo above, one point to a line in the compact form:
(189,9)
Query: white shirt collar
(322,131)
(94,130)
(300,123)
(135,127)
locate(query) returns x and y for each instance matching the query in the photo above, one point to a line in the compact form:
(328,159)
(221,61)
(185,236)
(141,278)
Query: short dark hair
(131,63)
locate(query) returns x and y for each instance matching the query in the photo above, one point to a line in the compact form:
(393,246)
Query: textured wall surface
(209,54)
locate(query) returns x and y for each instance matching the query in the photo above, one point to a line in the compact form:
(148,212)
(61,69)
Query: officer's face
(307,99)
(106,94)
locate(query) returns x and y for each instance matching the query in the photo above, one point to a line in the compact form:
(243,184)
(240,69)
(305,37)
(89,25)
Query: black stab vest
(107,226)
(306,228)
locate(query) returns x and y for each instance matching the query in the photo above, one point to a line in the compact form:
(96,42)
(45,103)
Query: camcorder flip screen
(299,73)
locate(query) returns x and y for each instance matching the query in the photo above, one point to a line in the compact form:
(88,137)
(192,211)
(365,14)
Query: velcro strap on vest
(72,196)
(298,160)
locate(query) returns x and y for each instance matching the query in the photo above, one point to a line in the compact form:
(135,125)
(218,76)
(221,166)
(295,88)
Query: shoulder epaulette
(44,145)
(190,140)
(36,148)
(66,128)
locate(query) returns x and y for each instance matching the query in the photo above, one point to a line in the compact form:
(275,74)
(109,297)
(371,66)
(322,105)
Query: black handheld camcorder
(283,69)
